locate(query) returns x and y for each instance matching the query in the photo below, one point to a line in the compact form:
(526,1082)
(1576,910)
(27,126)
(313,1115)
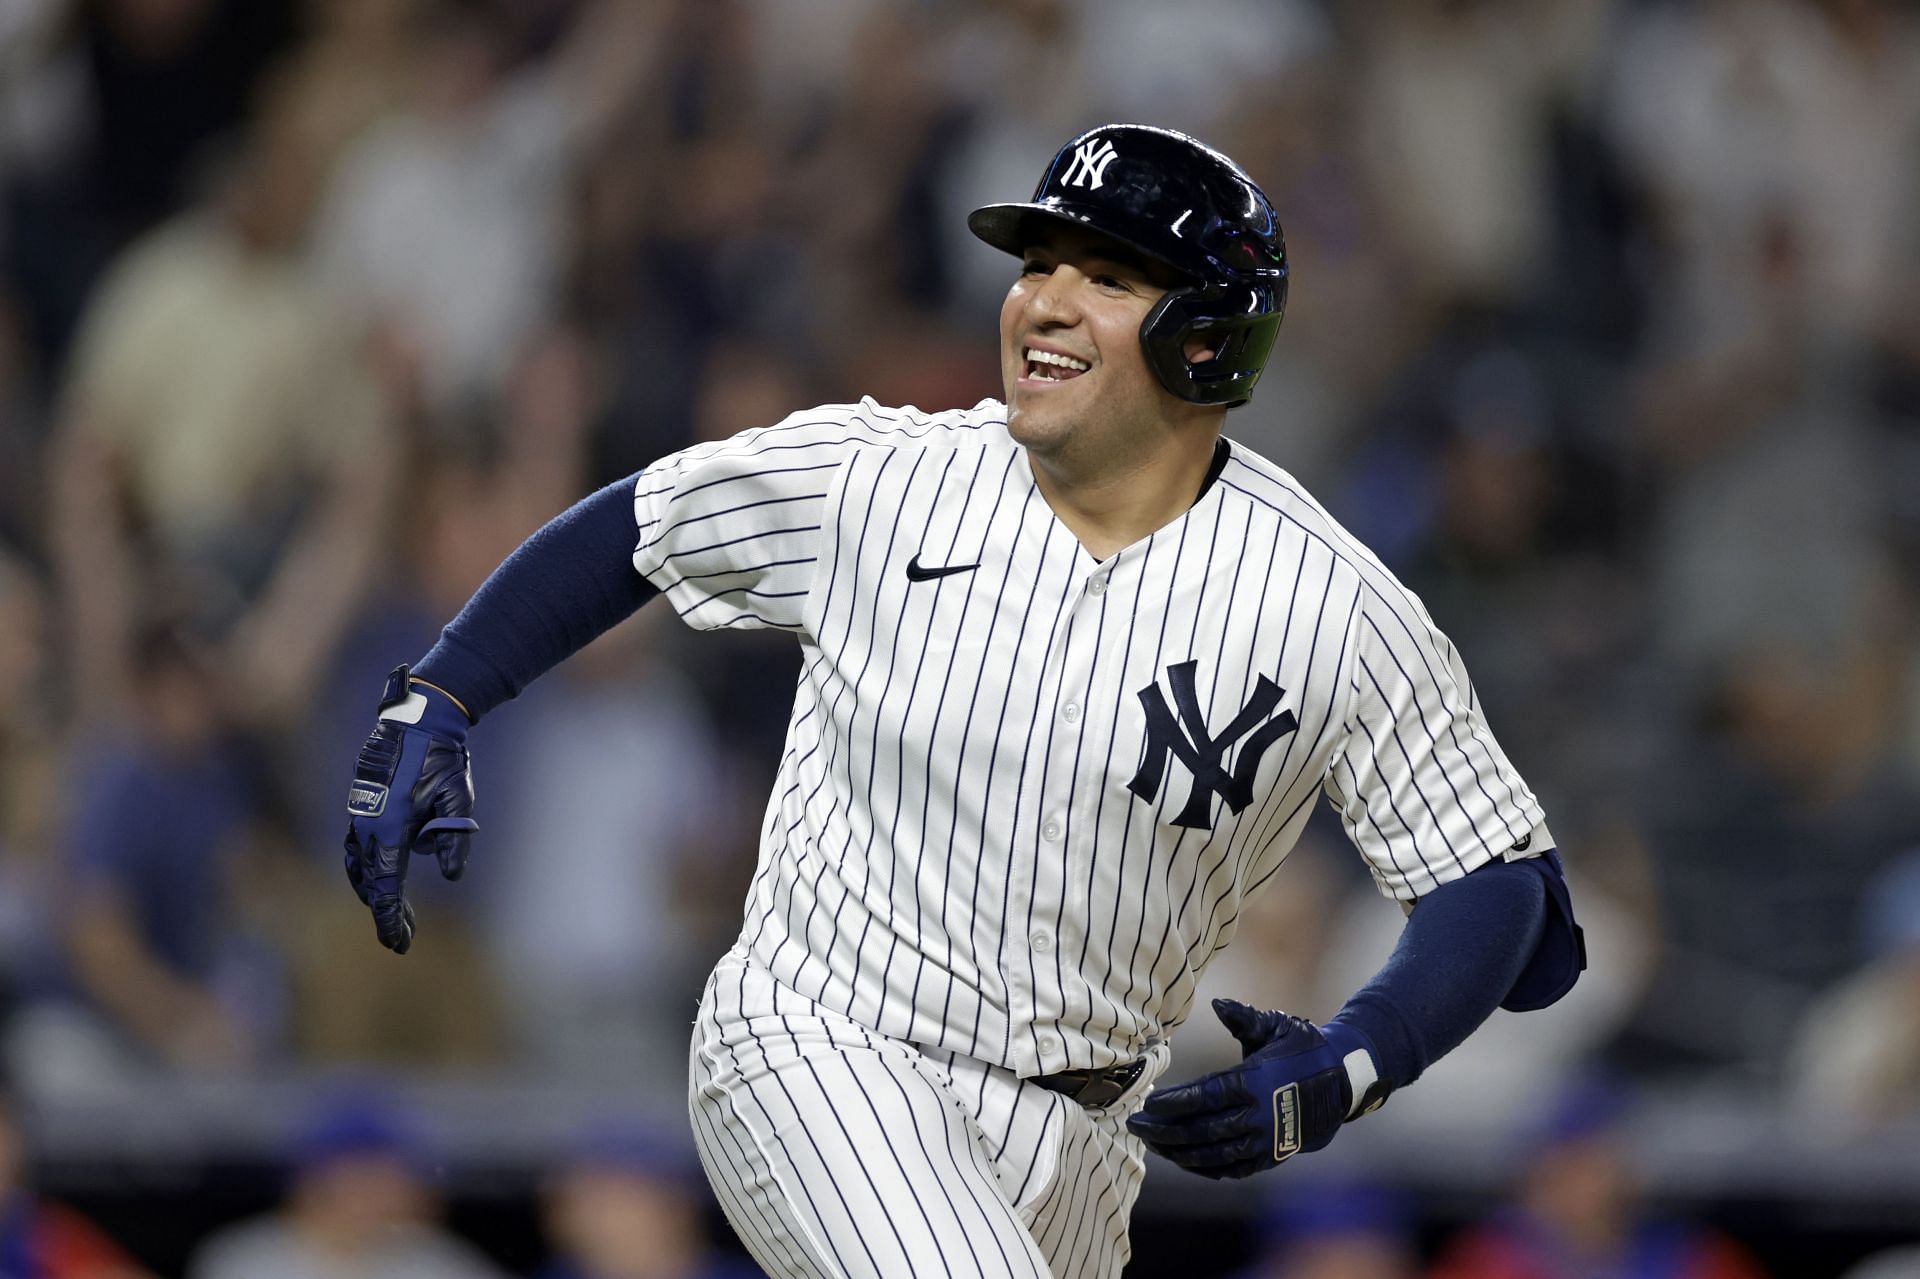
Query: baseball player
(1075,668)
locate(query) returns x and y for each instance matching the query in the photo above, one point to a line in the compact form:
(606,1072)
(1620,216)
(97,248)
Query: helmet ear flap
(1240,348)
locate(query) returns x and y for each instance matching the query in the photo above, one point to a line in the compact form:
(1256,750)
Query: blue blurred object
(1311,1211)
(159,827)
(1592,1106)
(356,1123)
(1891,919)
(635,1147)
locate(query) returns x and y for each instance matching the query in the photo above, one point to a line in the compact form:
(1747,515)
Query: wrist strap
(1367,1091)
(457,703)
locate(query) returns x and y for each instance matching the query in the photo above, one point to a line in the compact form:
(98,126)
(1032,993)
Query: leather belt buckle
(1094,1088)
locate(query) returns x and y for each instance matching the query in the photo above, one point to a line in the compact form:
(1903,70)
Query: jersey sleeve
(731,532)
(1425,791)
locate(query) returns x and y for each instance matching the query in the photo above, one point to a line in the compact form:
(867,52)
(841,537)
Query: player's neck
(1110,507)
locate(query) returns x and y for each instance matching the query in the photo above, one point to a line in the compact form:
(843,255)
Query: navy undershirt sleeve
(1460,953)
(563,587)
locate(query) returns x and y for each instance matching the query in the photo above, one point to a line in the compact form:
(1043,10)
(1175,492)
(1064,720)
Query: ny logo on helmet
(1200,751)
(1090,161)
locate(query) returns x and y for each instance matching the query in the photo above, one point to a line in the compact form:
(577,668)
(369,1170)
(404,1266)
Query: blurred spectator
(712,241)
(1741,111)
(1456,101)
(1773,498)
(355,66)
(1349,320)
(1856,1057)
(610,820)
(1785,634)
(1796,798)
(167,75)
(163,820)
(223,446)
(445,224)
(1335,1230)
(443,1008)
(1186,67)
(1577,1212)
(1505,524)
(42,1239)
(805,54)
(626,1204)
(358,1208)
(869,182)
(107,110)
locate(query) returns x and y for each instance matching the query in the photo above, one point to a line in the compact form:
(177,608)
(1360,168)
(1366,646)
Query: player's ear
(1199,348)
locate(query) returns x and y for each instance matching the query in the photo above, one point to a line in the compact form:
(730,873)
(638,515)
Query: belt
(1093,1088)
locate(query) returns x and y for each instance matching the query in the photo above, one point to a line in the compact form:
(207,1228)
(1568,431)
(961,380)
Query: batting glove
(412,791)
(1297,1084)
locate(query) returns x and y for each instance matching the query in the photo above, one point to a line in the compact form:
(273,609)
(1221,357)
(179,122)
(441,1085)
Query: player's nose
(1056,301)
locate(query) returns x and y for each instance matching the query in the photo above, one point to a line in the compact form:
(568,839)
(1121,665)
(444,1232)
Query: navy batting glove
(1297,1084)
(412,791)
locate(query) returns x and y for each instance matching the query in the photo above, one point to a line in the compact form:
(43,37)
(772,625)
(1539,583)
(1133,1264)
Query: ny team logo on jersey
(1090,161)
(1188,740)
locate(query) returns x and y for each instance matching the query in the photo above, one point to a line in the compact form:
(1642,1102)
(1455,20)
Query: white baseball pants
(839,1153)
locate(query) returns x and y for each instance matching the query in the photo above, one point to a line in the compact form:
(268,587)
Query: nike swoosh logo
(915,573)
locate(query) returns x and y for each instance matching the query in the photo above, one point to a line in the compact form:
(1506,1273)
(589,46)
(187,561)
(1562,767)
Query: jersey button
(1041,941)
(1098,586)
(1048,1044)
(1070,712)
(1050,832)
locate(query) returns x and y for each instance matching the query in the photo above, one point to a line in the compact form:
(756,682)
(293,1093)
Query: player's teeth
(1063,361)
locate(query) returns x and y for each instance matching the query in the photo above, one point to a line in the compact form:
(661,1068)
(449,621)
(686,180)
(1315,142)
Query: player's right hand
(412,791)
(1292,1090)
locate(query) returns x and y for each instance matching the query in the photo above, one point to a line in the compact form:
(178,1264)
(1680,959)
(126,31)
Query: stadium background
(1601,332)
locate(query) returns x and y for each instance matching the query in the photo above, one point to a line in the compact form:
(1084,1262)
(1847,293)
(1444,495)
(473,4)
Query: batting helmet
(1180,202)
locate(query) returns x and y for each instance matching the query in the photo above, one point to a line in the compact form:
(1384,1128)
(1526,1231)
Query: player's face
(1070,343)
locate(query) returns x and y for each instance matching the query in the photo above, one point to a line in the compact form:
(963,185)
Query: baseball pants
(840,1153)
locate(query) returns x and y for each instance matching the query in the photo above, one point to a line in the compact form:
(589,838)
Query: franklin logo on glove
(1286,1122)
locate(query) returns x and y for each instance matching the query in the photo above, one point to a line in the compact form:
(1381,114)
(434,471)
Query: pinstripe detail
(1100,829)
(986,803)
(956,888)
(838,1152)
(944,969)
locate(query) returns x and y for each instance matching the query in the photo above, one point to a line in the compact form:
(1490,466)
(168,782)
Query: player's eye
(1110,282)
(1034,266)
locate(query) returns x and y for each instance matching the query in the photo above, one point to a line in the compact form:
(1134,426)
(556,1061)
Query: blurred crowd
(1600,333)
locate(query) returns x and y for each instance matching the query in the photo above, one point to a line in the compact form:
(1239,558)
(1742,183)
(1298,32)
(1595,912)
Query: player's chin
(1035,425)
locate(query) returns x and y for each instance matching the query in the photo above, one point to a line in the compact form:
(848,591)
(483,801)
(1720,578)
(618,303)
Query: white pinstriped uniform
(978,863)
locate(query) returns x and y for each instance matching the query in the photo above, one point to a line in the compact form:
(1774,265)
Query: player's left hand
(412,792)
(1295,1087)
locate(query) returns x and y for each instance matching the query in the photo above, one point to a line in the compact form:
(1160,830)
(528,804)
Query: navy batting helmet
(1179,201)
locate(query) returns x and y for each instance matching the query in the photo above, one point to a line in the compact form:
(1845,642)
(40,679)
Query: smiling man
(1114,453)
(1076,668)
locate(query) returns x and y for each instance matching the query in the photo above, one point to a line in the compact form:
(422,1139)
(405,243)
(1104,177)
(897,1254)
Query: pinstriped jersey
(1024,792)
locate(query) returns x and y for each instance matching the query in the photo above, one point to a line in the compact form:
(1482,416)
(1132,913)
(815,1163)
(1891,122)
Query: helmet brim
(1014,228)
